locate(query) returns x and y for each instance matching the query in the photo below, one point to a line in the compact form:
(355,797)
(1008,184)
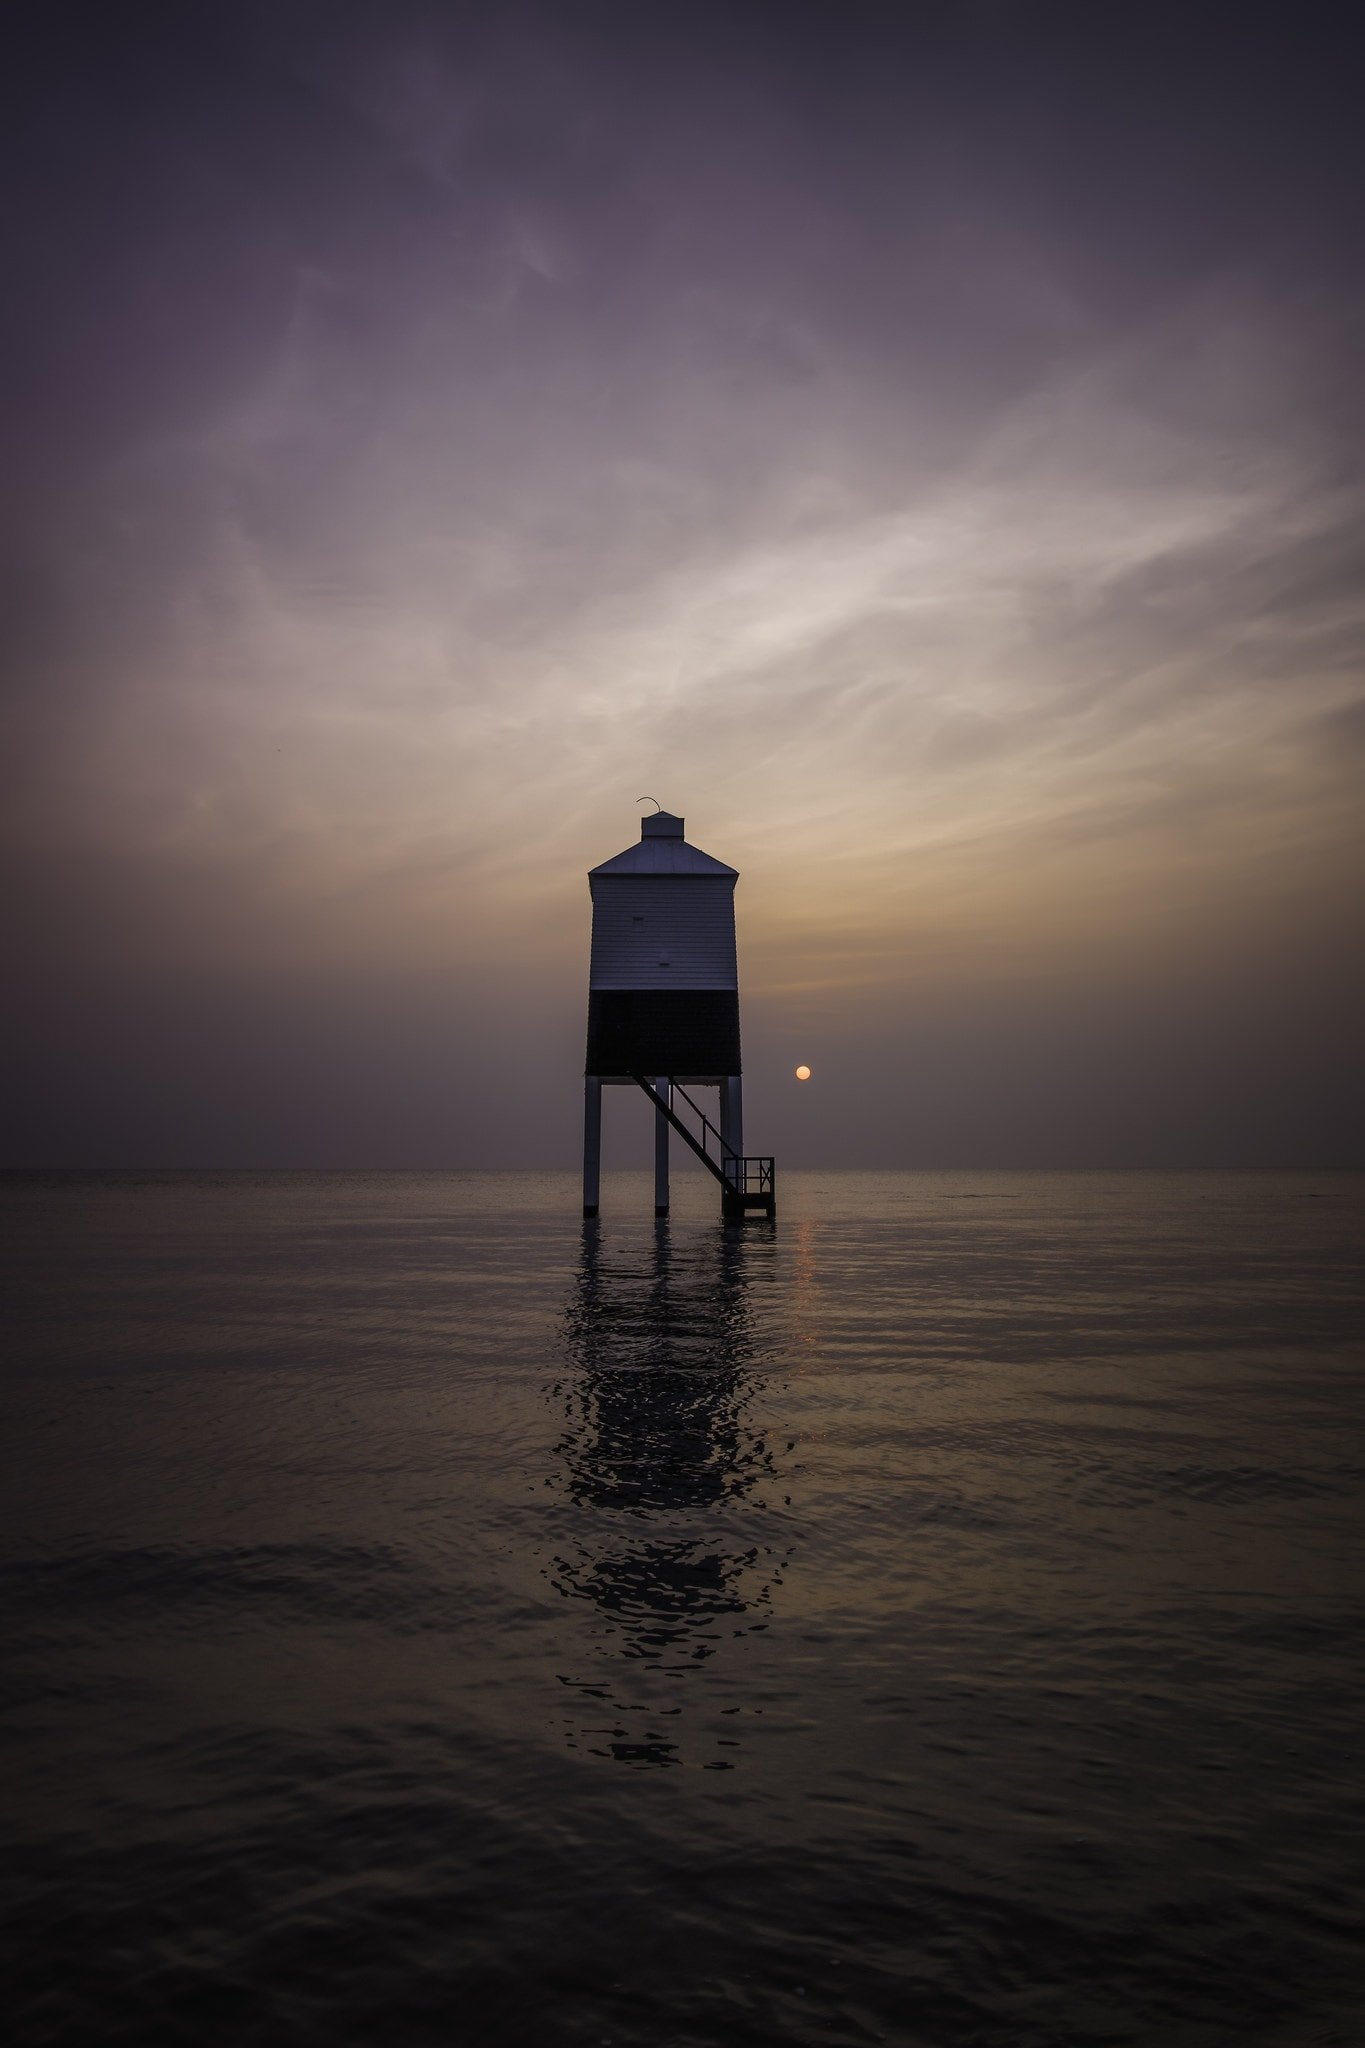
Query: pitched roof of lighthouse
(662,850)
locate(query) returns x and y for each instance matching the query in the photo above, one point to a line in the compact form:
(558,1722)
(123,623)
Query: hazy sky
(920,444)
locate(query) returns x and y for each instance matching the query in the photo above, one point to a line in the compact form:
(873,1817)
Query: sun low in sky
(803,1073)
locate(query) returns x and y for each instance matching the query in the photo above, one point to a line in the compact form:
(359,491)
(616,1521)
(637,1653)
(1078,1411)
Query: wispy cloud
(977,616)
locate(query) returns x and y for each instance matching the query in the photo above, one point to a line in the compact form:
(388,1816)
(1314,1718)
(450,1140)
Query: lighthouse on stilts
(663,1011)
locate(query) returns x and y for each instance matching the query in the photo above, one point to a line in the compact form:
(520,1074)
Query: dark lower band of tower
(690,1033)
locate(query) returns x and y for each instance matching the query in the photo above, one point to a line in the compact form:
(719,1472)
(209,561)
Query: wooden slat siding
(688,921)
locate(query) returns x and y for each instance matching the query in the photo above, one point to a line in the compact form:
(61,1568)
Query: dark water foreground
(935,1619)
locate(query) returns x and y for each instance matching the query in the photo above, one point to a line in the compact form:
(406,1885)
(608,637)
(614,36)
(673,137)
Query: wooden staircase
(746,1181)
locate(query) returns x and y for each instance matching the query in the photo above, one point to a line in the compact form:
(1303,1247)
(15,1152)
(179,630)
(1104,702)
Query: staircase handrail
(704,1119)
(734,1173)
(680,1127)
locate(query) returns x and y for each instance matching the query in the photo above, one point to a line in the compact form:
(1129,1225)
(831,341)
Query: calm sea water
(937,1617)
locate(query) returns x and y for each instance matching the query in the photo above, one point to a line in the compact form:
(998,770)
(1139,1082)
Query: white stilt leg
(661,1149)
(592,1143)
(732,1114)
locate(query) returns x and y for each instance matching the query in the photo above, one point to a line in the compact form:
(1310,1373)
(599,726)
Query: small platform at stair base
(749,1183)
(746,1182)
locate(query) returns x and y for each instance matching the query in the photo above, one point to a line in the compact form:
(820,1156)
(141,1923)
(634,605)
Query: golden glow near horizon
(1005,640)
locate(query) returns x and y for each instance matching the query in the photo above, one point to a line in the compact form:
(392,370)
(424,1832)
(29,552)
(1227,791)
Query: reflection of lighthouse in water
(667,1484)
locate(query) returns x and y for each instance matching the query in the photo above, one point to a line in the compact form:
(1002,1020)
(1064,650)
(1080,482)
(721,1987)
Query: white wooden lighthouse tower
(663,1010)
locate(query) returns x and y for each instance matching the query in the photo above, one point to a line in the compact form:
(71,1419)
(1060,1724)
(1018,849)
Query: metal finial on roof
(650,800)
